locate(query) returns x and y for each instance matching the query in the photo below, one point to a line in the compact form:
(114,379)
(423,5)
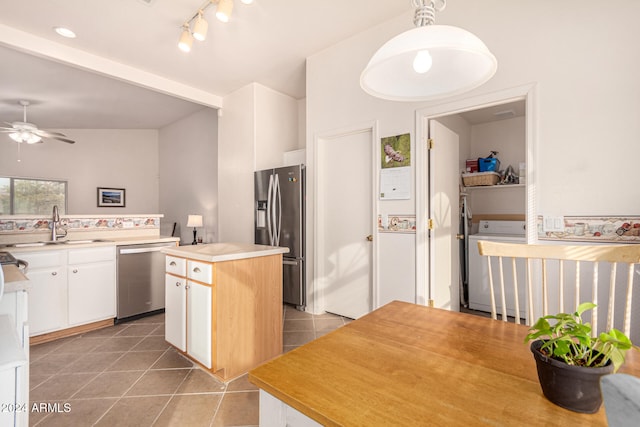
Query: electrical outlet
(552,223)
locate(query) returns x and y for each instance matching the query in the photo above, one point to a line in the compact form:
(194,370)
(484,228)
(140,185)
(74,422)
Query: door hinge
(430,303)
(430,144)
(430,224)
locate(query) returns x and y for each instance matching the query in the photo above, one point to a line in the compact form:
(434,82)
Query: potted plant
(570,361)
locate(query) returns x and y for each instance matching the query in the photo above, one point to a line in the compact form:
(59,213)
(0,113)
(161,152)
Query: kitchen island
(223,305)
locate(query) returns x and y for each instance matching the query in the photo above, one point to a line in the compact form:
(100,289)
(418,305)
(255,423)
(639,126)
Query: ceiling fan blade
(54,135)
(62,138)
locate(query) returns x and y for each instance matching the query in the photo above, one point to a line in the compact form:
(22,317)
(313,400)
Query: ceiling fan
(29,133)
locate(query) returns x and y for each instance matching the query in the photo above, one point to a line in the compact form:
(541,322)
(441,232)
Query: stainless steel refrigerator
(279,221)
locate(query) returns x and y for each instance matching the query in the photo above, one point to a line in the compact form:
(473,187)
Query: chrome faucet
(55,222)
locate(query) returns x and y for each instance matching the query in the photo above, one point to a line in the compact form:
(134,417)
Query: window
(26,196)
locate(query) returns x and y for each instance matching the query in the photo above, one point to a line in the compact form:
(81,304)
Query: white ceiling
(266,42)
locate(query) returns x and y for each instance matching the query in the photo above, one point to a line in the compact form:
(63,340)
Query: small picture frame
(111,197)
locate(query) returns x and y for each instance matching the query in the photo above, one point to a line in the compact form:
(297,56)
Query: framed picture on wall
(111,197)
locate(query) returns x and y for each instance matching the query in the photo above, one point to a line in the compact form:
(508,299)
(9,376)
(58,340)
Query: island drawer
(200,271)
(177,266)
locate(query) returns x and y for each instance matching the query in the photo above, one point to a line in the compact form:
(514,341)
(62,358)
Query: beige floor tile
(298,325)
(92,362)
(298,337)
(118,344)
(134,412)
(50,363)
(39,350)
(189,410)
(199,381)
(172,359)
(79,345)
(36,380)
(59,387)
(159,382)
(292,313)
(137,330)
(109,384)
(106,332)
(151,343)
(156,318)
(241,384)
(327,324)
(238,409)
(159,330)
(135,361)
(80,413)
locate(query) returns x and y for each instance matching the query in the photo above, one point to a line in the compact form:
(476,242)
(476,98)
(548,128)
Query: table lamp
(194,221)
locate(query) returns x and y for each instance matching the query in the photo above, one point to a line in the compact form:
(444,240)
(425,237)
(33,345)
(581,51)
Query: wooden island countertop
(406,364)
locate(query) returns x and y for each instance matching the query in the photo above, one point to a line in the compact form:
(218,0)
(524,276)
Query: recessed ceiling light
(65,32)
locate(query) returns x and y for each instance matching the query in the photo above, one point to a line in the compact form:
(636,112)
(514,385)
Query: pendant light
(429,61)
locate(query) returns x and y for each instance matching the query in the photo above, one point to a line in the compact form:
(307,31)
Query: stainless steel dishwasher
(140,280)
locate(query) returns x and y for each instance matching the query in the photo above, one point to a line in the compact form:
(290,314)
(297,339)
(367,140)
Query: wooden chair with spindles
(562,292)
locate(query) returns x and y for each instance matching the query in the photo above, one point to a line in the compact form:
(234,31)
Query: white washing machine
(479,293)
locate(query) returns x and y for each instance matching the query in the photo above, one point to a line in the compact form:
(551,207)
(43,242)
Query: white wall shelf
(492,187)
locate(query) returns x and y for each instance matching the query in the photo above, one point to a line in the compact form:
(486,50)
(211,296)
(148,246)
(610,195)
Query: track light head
(186,39)
(200,27)
(225,7)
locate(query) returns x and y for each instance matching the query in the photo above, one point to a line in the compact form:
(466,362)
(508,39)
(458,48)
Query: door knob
(370,238)
(460,236)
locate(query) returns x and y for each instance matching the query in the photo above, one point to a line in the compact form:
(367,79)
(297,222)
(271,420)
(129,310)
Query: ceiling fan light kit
(25,132)
(428,62)
(200,24)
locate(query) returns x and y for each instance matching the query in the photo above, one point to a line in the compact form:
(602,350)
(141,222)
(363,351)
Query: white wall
(276,127)
(587,95)
(257,126)
(188,159)
(99,158)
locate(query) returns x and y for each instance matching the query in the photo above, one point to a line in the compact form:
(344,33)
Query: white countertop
(107,241)
(215,252)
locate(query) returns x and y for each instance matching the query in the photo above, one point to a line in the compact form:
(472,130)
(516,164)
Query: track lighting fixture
(200,24)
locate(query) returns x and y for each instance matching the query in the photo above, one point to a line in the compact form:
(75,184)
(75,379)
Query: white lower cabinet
(175,314)
(14,380)
(70,287)
(188,317)
(199,322)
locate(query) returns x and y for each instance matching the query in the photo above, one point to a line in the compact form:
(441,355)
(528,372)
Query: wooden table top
(406,365)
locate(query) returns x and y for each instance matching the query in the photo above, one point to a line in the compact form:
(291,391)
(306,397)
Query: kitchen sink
(50,243)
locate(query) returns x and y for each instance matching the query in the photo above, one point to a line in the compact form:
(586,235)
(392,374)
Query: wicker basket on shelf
(476,179)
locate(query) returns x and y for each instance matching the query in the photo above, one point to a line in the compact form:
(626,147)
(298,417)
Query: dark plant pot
(576,388)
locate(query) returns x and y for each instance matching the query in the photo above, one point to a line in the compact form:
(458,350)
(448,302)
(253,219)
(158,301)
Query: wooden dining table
(410,365)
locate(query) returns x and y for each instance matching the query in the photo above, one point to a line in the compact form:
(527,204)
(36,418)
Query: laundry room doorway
(433,286)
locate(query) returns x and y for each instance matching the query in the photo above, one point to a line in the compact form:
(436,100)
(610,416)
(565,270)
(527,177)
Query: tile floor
(127,375)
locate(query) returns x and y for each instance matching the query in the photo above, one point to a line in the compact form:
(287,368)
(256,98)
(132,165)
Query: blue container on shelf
(488,164)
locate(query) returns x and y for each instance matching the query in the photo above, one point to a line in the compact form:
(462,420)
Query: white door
(444,195)
(345,220)
(199,322)
(175,311)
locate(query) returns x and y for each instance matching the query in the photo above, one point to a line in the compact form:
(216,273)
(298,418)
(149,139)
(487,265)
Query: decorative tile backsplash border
(605,229)
(89,223)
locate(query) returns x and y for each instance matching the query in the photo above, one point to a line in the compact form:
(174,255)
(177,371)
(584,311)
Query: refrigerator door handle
(269,207)
(278,212)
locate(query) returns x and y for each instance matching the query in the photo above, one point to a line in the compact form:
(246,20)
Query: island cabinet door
(175,312)
(199,322)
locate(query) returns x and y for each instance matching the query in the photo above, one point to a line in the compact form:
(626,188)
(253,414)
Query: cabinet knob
(178,284)
(187,287)
(54,273)
(197,270)
(172,263)
(75,270)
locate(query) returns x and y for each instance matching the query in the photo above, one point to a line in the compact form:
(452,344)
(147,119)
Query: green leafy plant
(569,340)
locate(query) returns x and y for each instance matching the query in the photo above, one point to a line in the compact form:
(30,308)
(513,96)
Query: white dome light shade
(460,62)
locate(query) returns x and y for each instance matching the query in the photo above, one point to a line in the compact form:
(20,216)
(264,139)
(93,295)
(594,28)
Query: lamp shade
(428,62)
(223,12)
(200,28)
(194,221)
